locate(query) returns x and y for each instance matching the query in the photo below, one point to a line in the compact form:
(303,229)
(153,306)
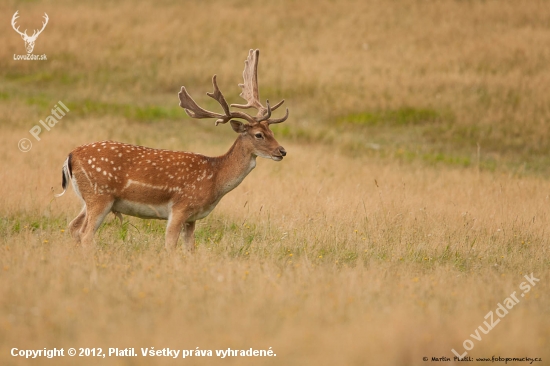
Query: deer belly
(142,210)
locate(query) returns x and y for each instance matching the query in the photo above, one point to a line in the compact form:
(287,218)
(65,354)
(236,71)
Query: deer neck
(234,166)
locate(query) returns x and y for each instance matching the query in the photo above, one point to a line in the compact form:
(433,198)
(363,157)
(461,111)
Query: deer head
(29,40)
(256,130)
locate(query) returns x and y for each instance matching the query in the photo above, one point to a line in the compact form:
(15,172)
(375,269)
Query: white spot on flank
(98,169)
(89,161)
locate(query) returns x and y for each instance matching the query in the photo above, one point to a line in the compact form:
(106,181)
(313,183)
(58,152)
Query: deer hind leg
(76,226)
(95,214)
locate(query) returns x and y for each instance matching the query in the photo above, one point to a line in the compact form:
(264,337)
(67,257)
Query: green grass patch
(403,116)
(131,112)
(43,77)
(14,225)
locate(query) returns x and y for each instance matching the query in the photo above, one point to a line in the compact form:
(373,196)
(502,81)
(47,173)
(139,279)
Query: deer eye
(259,136)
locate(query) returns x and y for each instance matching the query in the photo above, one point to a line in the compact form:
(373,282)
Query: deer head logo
(29,40)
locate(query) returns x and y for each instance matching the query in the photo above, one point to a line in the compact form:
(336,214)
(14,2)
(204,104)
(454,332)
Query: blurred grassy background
(412,80)
(414,197)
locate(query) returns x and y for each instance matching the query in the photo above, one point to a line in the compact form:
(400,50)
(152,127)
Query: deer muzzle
(280,152)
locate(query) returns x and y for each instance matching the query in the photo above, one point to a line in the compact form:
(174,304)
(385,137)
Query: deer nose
(282,151)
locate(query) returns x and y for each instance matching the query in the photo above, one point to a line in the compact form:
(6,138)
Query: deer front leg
(189,237)
(176,223)
(173,229)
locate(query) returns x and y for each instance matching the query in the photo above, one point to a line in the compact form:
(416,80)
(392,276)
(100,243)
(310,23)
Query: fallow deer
(181,187)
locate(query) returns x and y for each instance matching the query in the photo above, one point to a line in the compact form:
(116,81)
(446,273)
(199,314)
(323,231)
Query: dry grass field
(414,198)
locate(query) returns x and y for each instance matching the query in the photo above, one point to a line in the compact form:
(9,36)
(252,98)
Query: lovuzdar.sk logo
(29,40)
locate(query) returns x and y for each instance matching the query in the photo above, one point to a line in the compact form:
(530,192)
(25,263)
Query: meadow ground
(413,200)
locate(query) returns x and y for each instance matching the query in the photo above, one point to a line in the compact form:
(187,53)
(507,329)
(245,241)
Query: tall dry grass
(356,249)
(355,262)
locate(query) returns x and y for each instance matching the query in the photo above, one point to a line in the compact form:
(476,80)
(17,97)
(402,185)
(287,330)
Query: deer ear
(238,126)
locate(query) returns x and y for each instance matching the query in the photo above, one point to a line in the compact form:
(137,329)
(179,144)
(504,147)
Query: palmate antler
(250,93)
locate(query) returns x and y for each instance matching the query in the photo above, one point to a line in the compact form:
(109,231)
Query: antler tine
(277,105)
(267,113)
(218,96)
(278,120)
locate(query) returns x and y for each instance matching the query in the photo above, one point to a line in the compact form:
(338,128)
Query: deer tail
(66,175)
